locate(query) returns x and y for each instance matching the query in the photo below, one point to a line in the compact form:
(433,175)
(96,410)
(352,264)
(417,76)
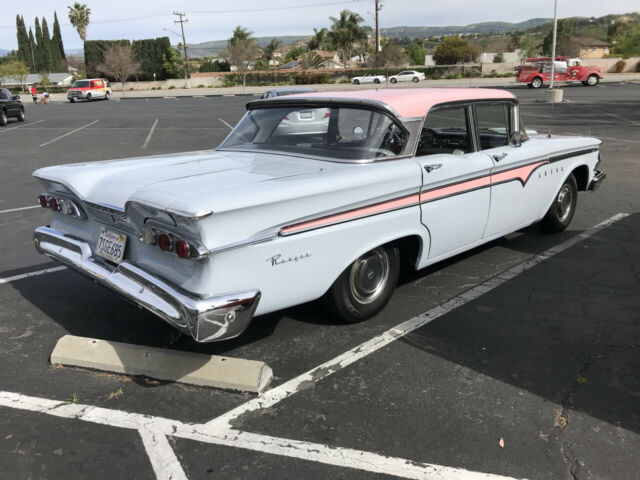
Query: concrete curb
(183,367)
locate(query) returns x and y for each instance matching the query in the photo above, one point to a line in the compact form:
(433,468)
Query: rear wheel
(393,80)
(3,118)
(536,82)
(561,212)
(107,96)
(366,286)
(592,80)
(88,97)
(376,80)
(415,79)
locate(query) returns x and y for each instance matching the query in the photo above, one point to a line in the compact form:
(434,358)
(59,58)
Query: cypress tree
(40,60)
(21,45)
(50,60)
(31,54)
(57,37)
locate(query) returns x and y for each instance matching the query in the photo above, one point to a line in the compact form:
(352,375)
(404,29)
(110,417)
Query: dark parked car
(10,106)
(280,91)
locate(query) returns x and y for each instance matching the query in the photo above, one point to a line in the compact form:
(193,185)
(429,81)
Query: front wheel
(561,212)
(107,96)
(356,82)
(536,82)
(366,286)
(3,118)
(592,80)
(21,116)
(88,97)
(72,100)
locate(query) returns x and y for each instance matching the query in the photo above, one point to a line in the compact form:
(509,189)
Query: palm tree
(319,39)
(269,51)
(345,32)
(310,60)
(240,34)
(79,18)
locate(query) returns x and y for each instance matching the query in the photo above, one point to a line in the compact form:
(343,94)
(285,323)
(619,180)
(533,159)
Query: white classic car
(368,78)
(275,217)
(407,76)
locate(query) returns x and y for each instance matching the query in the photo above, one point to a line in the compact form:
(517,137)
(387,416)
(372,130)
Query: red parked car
(535,72)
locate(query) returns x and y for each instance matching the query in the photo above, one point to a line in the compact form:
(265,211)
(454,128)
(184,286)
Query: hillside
(480,28)
(215,47)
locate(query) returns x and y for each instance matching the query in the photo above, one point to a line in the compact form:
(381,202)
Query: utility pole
(553,43)
(378,8)
(182,21)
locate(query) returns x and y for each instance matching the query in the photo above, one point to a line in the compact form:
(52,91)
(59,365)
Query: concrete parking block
(162,364)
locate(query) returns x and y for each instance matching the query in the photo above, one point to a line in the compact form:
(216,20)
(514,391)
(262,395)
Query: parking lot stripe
(230,127)
(20,209)
(271,397)
(148,139)
(31,274)
(69,133)
(19,126)
(154,429)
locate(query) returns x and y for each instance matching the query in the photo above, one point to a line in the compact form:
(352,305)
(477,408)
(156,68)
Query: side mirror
(16,97)
(516,141)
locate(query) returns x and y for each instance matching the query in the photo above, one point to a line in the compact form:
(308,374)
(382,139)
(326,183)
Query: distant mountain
(216,47)
(74,51)
(485,27)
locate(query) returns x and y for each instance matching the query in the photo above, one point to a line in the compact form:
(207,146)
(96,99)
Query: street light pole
(553,44)
(182,21)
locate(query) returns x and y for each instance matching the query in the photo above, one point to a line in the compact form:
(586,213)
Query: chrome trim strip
(210,319)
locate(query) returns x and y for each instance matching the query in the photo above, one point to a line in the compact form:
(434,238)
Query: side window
(3,96)
(91,84)
(445,131)
(493,124)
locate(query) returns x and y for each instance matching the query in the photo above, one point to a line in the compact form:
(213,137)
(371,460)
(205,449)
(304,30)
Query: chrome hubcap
(369,276)
(591,80)
(564,201)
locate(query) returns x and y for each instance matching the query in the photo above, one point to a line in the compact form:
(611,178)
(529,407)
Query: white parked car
(368,78)
(407,76)
(271,218)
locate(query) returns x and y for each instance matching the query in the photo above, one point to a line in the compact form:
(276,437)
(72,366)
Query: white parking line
(31,274)
(20,209)
(230,127)
(69,133)
(153,127)
(154,430)
(19,126)
(285,390)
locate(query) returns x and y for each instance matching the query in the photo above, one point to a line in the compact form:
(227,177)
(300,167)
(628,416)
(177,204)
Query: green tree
(41,60)
(294,53)
(392,55)
(57,38)
(345,33)
(453,50)
(320,40)
(239,34)
(173,63)
(50,61)
(241,52)
(23,41)
(79,18)
(416,53)
(269,51)
(564,44)
(15,69)
(32,52)
(626,39)
(310,60)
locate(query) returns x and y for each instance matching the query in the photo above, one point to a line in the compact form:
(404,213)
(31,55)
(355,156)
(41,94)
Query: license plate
(111,245)
(306,114)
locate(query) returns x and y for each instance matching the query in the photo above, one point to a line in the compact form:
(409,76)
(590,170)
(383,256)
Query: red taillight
(164,242)
(53,204)
(43,201)
(286,117)
(182,249)
(327,114)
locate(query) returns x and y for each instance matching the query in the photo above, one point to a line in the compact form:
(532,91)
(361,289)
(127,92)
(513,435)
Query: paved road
(546,361)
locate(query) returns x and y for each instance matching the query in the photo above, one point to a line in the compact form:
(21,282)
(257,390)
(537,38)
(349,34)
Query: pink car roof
(411,102)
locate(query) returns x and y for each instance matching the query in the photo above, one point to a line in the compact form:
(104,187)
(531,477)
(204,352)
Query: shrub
(171,87)
(344,80)
(201,86)
(619,67)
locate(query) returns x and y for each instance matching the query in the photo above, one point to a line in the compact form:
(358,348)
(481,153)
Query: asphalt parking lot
(519,359)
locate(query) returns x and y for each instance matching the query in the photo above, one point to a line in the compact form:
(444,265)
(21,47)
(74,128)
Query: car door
(518,189)
(404,77)
(6,100)
(455,194)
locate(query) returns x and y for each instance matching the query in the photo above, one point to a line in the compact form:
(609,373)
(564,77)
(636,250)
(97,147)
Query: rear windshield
(333,132)
(80,83)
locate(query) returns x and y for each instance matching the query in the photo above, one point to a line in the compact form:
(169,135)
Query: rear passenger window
(445,131)
(493,124)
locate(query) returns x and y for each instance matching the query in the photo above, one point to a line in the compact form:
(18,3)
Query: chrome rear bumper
(206,319)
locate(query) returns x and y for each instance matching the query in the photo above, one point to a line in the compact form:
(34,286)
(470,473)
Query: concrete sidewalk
(508,82)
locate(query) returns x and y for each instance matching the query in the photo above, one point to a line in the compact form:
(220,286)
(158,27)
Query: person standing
(34,93)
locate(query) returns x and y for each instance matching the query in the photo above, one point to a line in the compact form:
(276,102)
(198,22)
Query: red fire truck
(536,71)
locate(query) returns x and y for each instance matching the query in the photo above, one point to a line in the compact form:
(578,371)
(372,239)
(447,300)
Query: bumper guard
(206,319)
(598,177)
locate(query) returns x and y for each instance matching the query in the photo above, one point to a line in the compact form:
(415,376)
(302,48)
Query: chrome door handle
(499,156)
(433,166)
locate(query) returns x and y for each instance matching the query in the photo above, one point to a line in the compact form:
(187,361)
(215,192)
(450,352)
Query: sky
(207,20)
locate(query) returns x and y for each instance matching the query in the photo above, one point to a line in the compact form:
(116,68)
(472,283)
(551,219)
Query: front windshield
(342,133)
(80,84)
